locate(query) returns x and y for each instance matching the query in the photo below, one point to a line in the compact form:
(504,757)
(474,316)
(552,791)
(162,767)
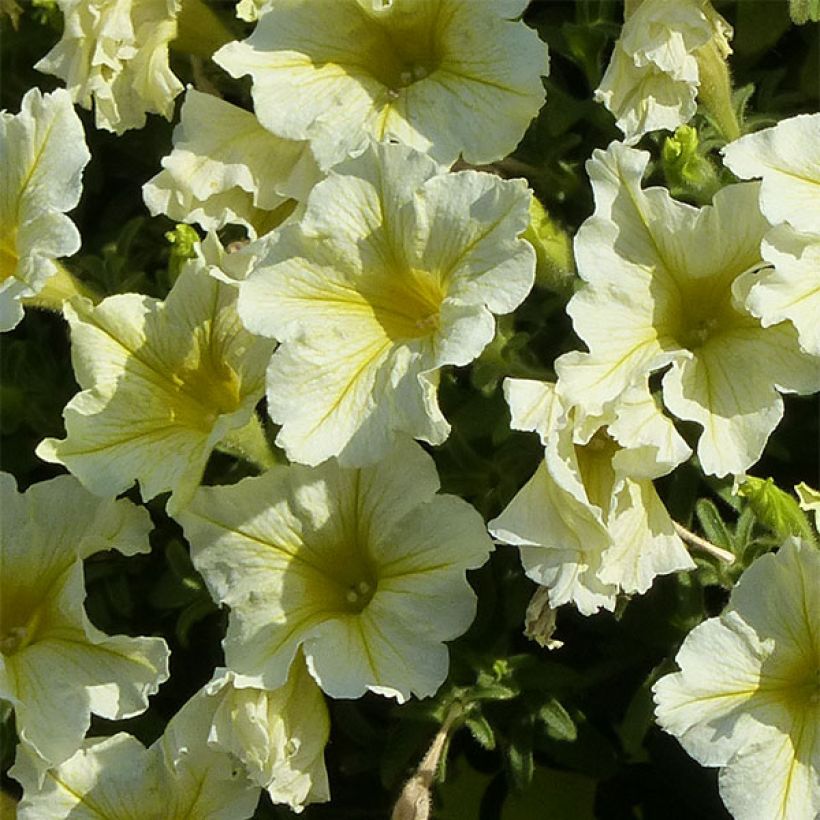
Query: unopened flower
(56,669)
(42,156)
(114,53)
(162,384)
(279,736)
(589,524)
(653,77)
(395,270)
(747,697)
(787,158)
(180,776)
(225,168)
(363,569)
(667,284)
(451,77)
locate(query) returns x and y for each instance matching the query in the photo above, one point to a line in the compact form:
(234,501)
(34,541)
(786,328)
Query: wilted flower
(180,776)
(787,157)
(55,667)
(747,697)
(116,55)
(227,169)
(279,736)
(451,77)
(394,270)
(653,77)
(163,383)
(363,569)
(667,283)
(42,156)
(589,523)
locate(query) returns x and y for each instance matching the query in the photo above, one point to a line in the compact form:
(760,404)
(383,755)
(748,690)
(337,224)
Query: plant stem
(702,544)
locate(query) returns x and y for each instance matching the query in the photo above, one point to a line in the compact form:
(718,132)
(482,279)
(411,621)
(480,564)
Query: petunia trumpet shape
(163,384)
(115,54)
(363,569)
(56,669)
(589,524)
(42,157)
(668,284)
(787,157)
(181,776)
(447,77)
(747,698)
(394,271)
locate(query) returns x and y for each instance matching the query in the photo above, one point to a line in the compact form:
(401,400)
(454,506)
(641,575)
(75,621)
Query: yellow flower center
(19,629)
(702,311)
(8,253)
(407,305)
(595,465)
(404,54)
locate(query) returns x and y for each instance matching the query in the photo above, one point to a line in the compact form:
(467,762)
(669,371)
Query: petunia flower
(787,158)
(42,156)
(279,736)
(667,284)
(225,168)
(746,698)
(448,77)
(363,569)
(181,776)
(56,669)
(589,524)
(394,271)
(115,54)
(653,76)
(163,383)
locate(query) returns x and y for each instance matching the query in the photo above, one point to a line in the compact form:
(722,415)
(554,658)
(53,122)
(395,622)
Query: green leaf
(518,754)
(481,730)
(712,524)
(558,722)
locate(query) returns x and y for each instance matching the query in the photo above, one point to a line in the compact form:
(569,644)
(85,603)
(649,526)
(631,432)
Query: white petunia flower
(180,777)
(55,667)
(115,53)
(363,569)
(666,283)
(42,156)
(226,168)
(163,383)
(747,697)
(787,157)
(395,270)
(279,735)
(589,523)
(448,77)
(653,76)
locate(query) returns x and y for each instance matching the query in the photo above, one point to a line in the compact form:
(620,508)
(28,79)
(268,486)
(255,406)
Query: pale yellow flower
(114,53)
(394,270)
(163,383)
(363,569)
(747,697)
(42,156)
(589,524)
(448,77)
(56,669)
(668,284)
